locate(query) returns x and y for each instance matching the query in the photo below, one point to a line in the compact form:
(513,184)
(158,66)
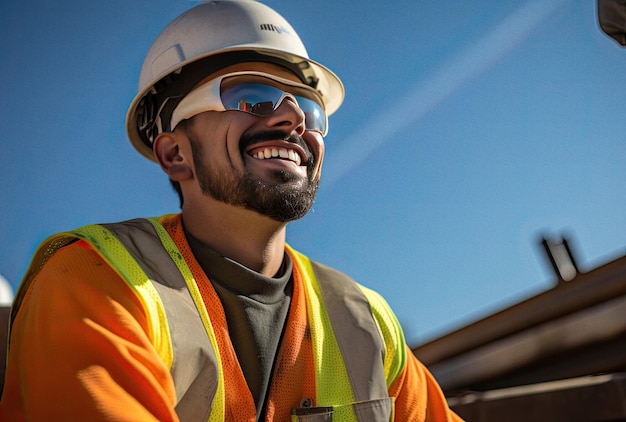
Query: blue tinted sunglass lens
(251,98)
(262,100)
(315,118)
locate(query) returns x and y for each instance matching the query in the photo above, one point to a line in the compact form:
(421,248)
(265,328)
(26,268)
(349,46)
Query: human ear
(168,153)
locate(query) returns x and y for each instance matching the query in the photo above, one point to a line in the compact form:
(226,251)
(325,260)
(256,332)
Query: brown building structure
(557,356)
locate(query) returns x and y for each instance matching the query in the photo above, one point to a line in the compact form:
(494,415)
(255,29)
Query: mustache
(248,139)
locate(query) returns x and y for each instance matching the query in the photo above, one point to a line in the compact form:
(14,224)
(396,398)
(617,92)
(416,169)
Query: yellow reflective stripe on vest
(331,377)
(218,408)
(389,327)
(118,258)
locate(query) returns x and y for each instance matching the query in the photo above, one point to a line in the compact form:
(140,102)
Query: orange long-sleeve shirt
(80,350)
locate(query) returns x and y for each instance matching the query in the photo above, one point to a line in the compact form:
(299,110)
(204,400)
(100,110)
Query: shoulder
(379,306)
(74,280)
(70,268)
(388,326)
(341,283)
(72,259)
(348,291)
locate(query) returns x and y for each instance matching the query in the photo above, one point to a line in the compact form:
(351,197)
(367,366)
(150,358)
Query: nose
(288,116)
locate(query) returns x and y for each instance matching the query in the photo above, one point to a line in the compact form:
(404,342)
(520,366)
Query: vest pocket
(312,414)
(380,410)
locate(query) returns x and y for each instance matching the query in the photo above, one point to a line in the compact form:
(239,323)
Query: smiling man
(207,315)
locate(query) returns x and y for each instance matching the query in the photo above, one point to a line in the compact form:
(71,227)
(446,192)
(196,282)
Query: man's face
(268,164)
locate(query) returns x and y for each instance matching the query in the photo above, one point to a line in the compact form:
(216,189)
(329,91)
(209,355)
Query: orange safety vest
(357,345)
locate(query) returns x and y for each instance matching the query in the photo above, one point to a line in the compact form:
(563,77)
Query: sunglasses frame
(208,97)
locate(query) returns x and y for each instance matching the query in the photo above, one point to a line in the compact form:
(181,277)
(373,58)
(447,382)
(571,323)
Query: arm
(80,350)
(418,396)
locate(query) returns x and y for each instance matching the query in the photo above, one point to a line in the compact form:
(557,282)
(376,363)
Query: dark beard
(289,198)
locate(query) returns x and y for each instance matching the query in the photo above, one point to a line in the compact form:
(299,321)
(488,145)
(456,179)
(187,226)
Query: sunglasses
(256,93)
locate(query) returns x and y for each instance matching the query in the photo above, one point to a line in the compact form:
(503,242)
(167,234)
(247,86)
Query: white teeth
(278,152)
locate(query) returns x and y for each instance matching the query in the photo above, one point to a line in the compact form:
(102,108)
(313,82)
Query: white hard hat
(206,38)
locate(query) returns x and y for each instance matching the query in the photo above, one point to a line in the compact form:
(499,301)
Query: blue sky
(468,129)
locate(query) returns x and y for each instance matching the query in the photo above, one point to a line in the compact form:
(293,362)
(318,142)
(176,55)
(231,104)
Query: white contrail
(427,94)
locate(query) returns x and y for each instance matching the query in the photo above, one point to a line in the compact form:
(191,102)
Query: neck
(251,239)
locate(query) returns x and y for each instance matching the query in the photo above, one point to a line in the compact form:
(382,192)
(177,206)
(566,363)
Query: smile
(265,153)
